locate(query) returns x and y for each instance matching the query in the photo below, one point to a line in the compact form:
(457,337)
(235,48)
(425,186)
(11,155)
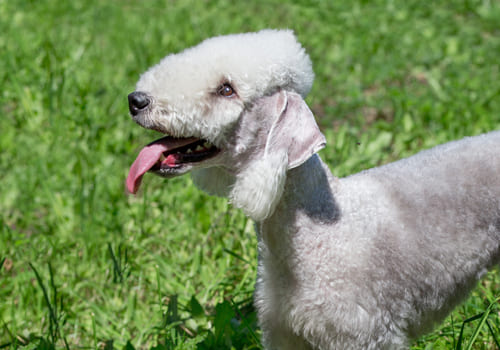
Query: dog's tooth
(207,144)
(199,148)
(189,150)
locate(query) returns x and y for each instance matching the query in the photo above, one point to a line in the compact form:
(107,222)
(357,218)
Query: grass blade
(483,320)
(237,256)
(483,317)
(117,271)
(493,335)
(245,322)
(52,313)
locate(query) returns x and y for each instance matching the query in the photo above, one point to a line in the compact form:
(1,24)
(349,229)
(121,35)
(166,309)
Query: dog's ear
(293,138)
(294,130)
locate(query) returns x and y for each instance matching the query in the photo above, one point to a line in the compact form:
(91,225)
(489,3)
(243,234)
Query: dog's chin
(183,160)
(169,172)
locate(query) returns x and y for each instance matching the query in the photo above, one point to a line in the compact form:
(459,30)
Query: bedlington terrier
(369,261)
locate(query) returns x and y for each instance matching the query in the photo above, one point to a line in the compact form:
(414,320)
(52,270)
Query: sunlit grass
(83,264)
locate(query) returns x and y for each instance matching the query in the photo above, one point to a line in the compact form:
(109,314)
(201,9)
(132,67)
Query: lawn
(84,265)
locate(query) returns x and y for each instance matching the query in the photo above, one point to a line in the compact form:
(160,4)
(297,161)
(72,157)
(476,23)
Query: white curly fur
(365,262)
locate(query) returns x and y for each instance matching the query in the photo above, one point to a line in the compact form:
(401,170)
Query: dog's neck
(310,189)
(309,193)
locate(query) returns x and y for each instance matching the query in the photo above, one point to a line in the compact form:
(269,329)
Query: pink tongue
(148,157)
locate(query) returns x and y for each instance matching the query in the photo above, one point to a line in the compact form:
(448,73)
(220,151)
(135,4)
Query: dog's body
(347,275)
(365,262)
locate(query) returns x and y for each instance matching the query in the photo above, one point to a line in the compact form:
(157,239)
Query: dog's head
(233,114)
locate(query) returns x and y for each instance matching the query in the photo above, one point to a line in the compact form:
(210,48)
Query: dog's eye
(226,90)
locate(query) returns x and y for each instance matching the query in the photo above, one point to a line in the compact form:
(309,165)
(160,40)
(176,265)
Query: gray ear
(293,138)
(294,130)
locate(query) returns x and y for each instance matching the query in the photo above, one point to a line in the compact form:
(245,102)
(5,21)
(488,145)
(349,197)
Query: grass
(83,265)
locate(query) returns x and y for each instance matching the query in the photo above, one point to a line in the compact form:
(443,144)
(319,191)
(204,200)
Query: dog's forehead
(254,62)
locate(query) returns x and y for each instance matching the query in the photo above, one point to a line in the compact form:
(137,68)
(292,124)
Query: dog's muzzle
(137,102)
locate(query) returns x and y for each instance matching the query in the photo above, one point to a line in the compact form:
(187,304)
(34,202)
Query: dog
(369,261)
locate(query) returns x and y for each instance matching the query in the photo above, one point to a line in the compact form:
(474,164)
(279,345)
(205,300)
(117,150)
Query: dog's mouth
(168,157)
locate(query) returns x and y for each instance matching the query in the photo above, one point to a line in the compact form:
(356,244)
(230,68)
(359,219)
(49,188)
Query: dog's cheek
(225,112)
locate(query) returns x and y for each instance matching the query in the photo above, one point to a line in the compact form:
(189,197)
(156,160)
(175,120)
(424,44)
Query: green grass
(83,265)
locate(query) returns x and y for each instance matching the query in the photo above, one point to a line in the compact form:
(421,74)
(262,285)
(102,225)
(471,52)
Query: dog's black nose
(137,101)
